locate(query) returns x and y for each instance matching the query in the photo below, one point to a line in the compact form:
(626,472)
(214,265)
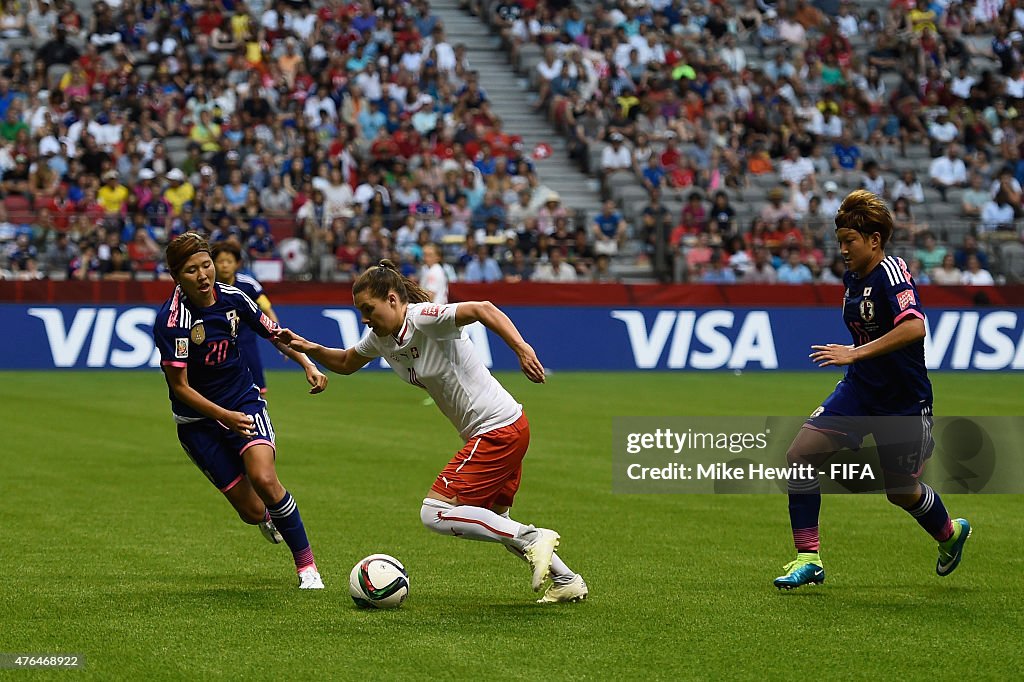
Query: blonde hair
(866,213)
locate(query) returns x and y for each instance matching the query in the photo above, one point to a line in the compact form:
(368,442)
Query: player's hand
(241,423)
(833,354)
(293,341)
(316,379)
(530,364)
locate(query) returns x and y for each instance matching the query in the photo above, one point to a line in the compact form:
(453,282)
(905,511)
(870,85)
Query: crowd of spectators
(728,133)
(355,130)
(724,135)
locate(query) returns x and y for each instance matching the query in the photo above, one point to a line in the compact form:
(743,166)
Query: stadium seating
(694,41)
(915,155)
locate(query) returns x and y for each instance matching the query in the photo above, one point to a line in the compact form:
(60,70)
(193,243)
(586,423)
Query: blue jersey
(897,382)
(248,342)
(251,288)
(205,341)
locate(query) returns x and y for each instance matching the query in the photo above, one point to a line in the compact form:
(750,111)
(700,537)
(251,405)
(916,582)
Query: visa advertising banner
(579,338)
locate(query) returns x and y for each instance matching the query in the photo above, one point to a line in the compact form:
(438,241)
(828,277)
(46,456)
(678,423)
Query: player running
(886,382)
(227,258)
(426,345)
(223,423)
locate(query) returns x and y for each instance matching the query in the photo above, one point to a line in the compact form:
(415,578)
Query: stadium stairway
(510,99)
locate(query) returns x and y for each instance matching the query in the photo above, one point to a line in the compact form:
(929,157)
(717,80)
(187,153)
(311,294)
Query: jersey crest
(233,321)
(198,333)
(867,310)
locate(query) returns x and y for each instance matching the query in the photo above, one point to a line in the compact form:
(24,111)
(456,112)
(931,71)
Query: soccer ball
(378,581)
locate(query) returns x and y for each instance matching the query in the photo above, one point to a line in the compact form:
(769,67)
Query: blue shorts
(249,349)
(904,441)
(217,450)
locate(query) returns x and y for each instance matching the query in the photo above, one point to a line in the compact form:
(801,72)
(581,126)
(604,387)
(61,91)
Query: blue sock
(289,523)
(804,507)
(931,514)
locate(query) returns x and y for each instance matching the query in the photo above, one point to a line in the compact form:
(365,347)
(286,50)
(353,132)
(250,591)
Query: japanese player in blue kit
(222,420)
(886,393)
(227,258)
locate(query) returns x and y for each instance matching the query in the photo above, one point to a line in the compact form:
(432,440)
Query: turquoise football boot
(806,569)
(952,550)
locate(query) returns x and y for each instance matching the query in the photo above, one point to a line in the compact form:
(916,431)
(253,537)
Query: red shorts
(486,471)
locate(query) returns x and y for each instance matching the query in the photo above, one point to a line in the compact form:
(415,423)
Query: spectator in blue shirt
(260,245)
(425,21)
(7,96)
(653,174)
(793,271)
(846,157)
(485,162)
(718,272)
(483,268)
(371,121)
(490,208)
(609,229)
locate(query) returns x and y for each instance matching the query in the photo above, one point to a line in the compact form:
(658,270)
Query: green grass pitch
(117,548)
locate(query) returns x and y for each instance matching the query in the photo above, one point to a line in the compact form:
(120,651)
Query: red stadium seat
(16,202)
(21,216)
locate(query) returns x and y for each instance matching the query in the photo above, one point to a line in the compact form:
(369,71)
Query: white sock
(472,523)
(560,573)
(477,523)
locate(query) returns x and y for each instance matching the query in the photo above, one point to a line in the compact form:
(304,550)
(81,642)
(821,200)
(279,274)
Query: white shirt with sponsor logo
(432,352)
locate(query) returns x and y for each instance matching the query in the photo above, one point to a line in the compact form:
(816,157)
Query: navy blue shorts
(249,349)
(904,441)
(217,450)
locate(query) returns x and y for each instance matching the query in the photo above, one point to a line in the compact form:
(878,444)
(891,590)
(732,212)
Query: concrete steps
(511,99)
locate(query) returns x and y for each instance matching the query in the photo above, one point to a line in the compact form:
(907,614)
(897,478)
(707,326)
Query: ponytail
(384,278)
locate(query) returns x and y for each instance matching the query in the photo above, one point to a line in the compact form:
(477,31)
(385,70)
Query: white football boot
(309,579)
(542,546)
(572,591)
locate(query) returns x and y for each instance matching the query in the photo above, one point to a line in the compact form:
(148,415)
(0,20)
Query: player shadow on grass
(816,593)
(891,595)
(249,588)
(527,609)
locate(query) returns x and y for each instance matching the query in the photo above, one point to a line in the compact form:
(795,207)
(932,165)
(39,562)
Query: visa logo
(102,327)
(677,331)
(971,340)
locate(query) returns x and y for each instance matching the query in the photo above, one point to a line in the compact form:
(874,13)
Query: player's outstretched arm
(498,322)
(316,379)
(339,360)
(910,331)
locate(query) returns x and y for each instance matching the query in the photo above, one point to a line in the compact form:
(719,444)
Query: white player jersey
(431,352)
(434,280)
